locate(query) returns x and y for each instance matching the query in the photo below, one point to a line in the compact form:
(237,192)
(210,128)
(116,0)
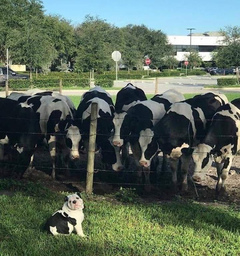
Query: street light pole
(190,30)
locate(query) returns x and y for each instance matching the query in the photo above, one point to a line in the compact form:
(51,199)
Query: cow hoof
(221,192)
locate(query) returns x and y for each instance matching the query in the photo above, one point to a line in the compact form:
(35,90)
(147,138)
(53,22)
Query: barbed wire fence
(89,170)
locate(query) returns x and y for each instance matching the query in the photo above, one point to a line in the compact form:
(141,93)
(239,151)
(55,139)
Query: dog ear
(78,194)
(66,199)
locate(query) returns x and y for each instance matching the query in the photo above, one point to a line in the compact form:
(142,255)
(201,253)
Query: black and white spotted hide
(221,143)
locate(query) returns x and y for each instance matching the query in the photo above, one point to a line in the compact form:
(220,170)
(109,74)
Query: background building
(203,43)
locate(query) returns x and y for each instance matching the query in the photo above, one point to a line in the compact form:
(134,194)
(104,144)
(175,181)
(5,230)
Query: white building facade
(204,44)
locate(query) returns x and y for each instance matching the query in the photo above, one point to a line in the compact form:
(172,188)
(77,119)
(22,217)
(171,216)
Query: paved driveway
(193,84)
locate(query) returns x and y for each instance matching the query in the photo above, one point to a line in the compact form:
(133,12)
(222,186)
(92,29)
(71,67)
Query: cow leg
(52,151)
(174,167)
(164,163)
(125,153)
(147,183)
(222,171)
(185,160)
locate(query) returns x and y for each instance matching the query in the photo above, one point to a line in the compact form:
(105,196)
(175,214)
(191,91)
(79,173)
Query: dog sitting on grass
(69,218)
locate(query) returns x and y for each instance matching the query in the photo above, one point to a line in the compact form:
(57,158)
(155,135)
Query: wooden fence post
(6,88)
(60,86)
(91,148)
(156,85)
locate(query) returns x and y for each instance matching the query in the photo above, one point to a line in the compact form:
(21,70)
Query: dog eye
(77,197)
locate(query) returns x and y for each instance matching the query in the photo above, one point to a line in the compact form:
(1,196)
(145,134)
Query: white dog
(69,218)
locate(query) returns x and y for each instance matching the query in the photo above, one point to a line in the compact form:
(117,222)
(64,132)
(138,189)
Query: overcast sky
(171,17)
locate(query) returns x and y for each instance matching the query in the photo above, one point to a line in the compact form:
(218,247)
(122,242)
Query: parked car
(11,75)
(221,71)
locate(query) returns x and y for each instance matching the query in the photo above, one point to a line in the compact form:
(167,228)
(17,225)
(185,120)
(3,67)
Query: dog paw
(82,235)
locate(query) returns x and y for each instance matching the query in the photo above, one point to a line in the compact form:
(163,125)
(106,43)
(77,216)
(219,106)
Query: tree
(194,59)
(24,33)
(62,37)
(94,47)
(170,61)
(229,54)
(141,41)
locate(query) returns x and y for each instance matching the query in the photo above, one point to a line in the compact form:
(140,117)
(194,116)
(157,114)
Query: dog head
(74,202)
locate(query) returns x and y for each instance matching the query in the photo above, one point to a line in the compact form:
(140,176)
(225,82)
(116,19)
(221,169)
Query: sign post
(116,56)
(186,64)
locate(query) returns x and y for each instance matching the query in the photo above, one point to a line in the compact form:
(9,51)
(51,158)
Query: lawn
(117,224)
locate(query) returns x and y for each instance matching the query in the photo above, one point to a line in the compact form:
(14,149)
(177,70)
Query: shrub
(48,83)
(221,82)
(107,83)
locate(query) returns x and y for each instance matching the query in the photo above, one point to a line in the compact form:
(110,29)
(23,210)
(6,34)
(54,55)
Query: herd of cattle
(203,128)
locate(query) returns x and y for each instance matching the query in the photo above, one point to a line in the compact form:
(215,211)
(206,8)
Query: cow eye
(69,143)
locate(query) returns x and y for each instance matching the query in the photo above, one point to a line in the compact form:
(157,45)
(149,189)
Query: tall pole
(116,70)
(6,86)
(190,30)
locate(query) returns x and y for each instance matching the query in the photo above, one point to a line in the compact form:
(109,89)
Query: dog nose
(74,201)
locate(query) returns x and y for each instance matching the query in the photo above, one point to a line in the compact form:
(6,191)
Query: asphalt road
(193,84)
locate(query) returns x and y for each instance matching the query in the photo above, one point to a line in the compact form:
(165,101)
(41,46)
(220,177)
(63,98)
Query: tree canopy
(48,41)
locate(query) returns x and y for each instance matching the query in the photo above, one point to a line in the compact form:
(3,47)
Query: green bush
(48,83)
(221,82)
(107,83)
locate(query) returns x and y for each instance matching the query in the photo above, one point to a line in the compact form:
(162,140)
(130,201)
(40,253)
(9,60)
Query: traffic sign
(147,61)
(186,63)
(116,55)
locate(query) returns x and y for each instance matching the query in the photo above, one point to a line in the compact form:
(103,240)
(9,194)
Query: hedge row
(222,82)
(55,83)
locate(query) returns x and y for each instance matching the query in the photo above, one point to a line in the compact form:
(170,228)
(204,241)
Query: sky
(172,17)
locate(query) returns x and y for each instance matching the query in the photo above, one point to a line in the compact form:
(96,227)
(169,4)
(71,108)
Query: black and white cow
(182,128)
(58,127)
(222,142)
(18,124)
(137,127)
(236,102)
(127,97)
(23,96)
(104,123)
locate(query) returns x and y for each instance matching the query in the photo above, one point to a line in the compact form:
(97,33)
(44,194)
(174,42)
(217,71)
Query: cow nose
(119,168)
(198,177)
(74,201)
(143,163)
(116,143)
(75,156)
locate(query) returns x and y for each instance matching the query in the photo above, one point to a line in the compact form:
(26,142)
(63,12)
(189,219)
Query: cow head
(111,155)
(149,147)
(202,160)
(72,136)
(118,121)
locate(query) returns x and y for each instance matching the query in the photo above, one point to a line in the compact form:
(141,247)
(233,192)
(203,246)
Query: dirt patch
(107,181)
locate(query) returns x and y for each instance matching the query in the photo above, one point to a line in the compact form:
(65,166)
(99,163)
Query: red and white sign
(186,63)
(147,61)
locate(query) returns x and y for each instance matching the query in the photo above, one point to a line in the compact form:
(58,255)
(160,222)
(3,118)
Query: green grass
(114,227)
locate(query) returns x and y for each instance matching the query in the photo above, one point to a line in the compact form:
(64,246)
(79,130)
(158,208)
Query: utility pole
(190,30)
